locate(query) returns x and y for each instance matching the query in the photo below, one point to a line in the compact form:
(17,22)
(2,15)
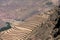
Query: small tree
(6,27)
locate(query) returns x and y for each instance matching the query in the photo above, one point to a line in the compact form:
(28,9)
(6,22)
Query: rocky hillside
(38,26)
(29,20)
